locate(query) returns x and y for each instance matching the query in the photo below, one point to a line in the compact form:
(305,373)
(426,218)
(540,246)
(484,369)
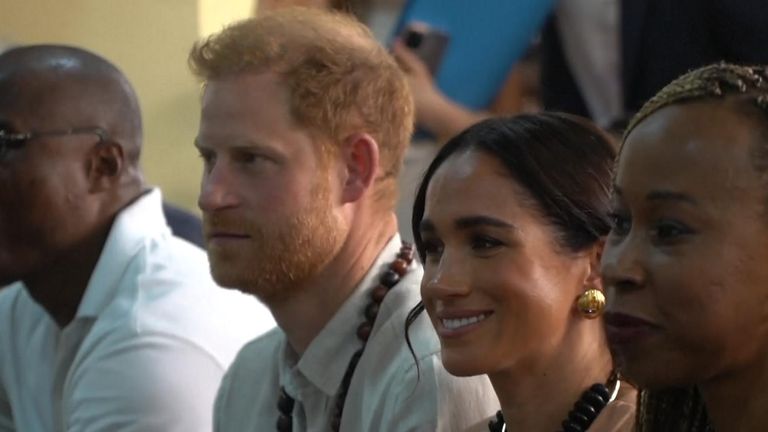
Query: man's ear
(106,162)
(360,157)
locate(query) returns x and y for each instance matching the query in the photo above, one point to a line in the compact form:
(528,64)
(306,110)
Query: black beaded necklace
(397,269)
(584,411)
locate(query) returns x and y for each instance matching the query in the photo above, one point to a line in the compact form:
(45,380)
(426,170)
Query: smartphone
(428,43)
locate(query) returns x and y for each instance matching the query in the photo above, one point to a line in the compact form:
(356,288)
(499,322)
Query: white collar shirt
(147,348)
(387,392)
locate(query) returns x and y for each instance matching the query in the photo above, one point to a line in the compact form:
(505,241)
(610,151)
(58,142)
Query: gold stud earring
(591,303)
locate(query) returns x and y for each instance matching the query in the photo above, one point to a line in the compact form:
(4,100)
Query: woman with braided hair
(685,264)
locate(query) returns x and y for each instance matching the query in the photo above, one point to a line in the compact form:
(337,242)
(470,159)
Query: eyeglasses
(12,141)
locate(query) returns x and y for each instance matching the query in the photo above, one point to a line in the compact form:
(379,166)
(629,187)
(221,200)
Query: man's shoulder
(255,366)
(20,318)
(142,248)
(168,293)
(261,353)
(9,295)
(172,252)
(165,291)
(218,323)
(247,397)
(16,306)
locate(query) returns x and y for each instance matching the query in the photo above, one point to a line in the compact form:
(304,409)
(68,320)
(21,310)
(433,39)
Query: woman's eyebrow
(467,222)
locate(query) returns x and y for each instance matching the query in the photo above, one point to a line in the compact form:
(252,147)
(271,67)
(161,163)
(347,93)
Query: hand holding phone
(427,43)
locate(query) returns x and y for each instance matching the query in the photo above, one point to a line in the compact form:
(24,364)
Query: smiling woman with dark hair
(509,222)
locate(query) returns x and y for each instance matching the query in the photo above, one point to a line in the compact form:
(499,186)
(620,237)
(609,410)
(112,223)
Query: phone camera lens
(413,39)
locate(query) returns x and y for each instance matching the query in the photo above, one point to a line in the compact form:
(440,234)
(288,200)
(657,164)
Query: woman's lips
(623,328)
(452,324)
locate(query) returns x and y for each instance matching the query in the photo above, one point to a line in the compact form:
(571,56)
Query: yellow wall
(214,14)
(149,40)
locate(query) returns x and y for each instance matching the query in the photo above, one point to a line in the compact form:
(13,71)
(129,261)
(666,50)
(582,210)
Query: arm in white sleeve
(154,383)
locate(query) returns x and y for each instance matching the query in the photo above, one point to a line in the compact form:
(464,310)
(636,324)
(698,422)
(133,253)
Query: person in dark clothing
(184,224)
(659,40)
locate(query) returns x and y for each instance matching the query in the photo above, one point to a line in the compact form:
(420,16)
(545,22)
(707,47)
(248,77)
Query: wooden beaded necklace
(584,411)
(396,271)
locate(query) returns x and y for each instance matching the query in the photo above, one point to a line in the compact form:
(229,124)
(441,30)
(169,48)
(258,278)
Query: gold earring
(591,303)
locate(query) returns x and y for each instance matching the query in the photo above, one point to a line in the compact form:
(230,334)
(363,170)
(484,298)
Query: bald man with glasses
(110,322)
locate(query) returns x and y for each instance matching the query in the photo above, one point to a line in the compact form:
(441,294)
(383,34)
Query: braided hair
(683,409)
(716,81)
(679,410)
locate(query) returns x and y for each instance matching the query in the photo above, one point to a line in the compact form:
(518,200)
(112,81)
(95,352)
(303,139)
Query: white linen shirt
(387,392)
(147,349)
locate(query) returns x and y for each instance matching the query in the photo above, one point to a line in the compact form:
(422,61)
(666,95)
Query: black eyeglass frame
(9,141)
(24,137)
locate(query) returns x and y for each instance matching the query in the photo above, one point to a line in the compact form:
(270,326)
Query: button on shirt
(387,392)
(147,349)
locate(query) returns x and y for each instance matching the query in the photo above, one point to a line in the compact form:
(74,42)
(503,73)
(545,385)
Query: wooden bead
(371,311)
(406,255)
(284,423)
(407,251)
(400,266)
(390,278)
(379,293)
(285,402)
(364,331)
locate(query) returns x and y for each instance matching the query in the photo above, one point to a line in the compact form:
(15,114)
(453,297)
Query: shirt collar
(326,359)
(132,226)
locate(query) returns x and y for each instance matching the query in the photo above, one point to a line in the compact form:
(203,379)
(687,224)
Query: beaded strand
(584,411)
(396,271)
